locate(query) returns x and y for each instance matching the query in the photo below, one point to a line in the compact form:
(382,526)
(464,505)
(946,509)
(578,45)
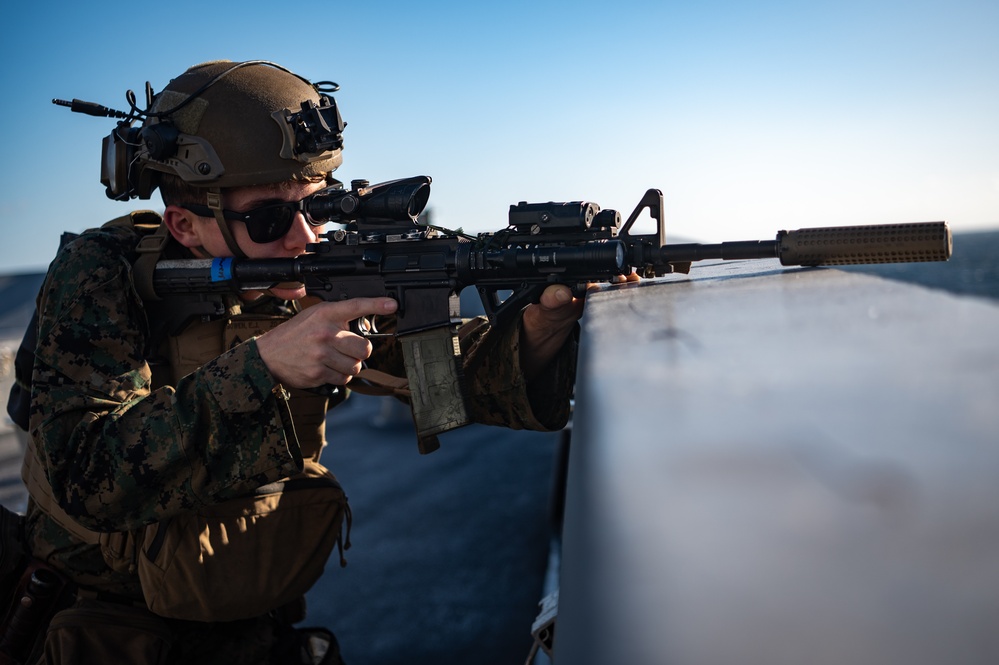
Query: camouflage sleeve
(498,393)
(118,454)
(495,379)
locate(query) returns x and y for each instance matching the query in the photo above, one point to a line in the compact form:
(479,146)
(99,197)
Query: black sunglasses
(264,224)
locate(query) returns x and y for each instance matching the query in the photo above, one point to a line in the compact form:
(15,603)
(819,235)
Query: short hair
(176,191)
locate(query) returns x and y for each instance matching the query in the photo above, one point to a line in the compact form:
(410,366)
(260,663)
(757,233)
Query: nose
(301,233)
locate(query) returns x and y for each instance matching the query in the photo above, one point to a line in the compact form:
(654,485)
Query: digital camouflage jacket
(121,452)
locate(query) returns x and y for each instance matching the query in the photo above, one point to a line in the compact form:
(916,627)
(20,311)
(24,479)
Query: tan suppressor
(840,245)
(885,243)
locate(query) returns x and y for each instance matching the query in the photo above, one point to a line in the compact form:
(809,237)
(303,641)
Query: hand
(548,323)
(316,347)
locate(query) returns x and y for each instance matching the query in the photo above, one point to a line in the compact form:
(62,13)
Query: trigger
(364,326)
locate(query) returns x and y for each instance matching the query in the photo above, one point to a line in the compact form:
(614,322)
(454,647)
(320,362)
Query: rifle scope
(394,201)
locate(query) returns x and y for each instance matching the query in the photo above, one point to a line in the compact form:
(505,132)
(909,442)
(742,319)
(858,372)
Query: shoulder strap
(375,382)
(150,248)
(141,220)
(154,236)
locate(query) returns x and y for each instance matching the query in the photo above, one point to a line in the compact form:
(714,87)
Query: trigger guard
(364,326)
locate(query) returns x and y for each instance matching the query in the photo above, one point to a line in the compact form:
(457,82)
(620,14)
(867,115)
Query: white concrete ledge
(777,465)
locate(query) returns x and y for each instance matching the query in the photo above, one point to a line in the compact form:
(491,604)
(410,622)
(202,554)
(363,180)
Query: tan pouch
(93,631)
(247,556)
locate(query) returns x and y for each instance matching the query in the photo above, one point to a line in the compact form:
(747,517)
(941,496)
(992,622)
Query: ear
(184,226)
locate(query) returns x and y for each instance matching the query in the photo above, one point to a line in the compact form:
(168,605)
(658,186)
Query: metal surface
(783,466)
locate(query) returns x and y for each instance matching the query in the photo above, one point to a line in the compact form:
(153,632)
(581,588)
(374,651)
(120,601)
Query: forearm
(502,390)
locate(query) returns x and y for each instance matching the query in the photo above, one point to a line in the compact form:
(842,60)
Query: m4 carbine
(383,250)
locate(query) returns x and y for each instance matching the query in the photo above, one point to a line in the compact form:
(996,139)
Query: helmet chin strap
(215,204)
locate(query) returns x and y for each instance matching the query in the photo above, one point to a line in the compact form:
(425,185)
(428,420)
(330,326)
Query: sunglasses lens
(269,223)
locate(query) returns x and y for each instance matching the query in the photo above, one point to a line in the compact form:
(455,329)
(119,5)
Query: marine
(179,506)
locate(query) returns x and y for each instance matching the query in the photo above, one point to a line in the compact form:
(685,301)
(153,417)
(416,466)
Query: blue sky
(750,116)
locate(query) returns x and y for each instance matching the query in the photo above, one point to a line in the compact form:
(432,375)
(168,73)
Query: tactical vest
(239,558)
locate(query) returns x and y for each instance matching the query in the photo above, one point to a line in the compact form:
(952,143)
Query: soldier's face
(289,245)
(203,233)
(245,199)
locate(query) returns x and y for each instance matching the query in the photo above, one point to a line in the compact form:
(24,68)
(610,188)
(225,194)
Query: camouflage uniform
(121,452)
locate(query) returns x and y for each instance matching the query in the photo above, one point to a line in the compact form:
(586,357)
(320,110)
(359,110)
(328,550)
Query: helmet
(228,124)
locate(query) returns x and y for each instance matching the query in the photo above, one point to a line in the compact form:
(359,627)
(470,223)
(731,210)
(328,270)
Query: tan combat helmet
(222,124)
(233,124)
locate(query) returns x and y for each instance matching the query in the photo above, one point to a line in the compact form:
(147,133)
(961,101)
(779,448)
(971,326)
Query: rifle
(384,250)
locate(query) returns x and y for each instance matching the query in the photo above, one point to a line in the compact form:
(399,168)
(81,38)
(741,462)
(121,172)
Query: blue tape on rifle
(222,269)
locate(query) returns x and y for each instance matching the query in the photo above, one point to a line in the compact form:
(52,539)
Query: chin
(288,294)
